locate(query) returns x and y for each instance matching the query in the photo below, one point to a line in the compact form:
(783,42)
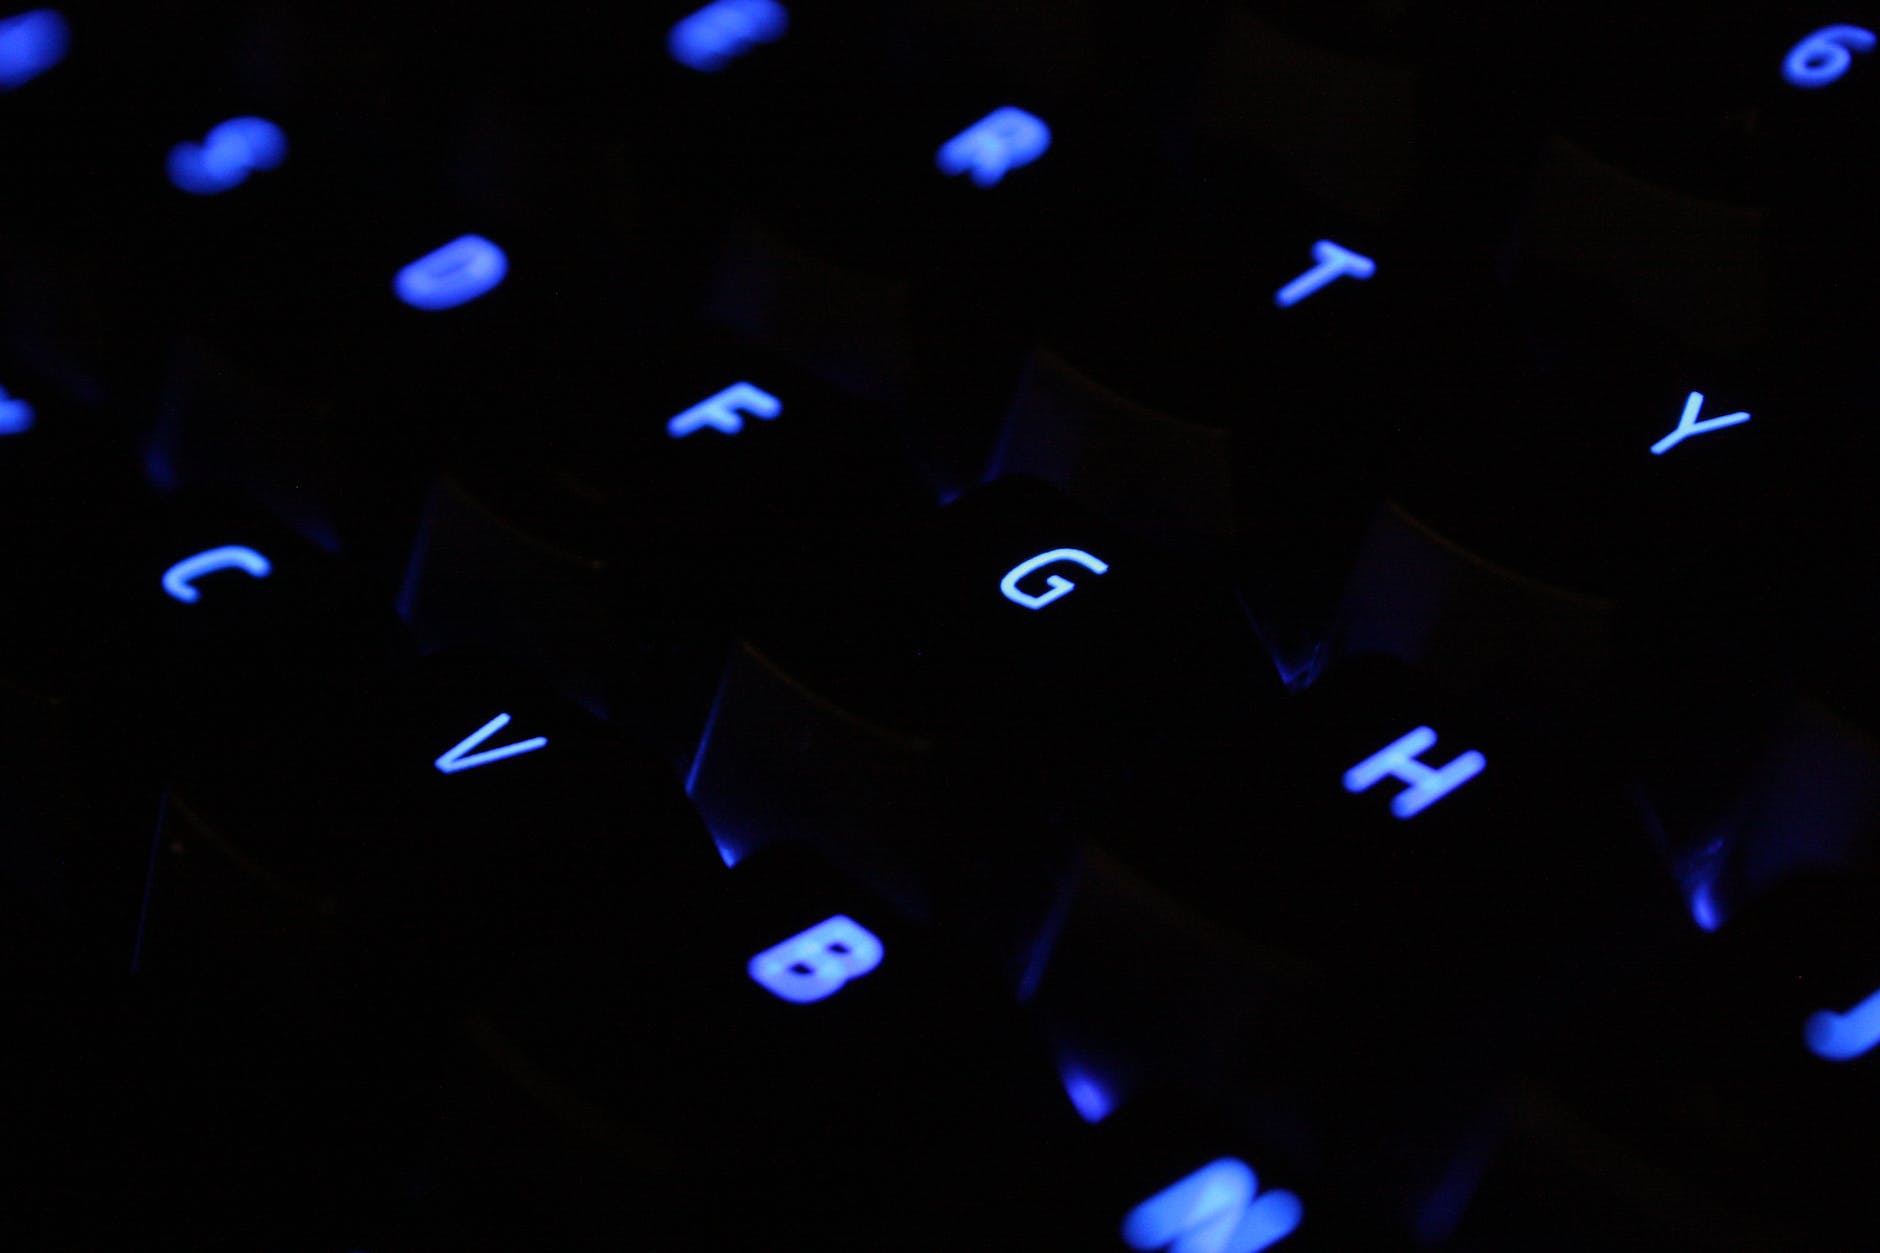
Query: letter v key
(460,757)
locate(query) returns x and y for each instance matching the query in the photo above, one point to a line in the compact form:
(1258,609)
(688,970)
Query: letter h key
(1428,784)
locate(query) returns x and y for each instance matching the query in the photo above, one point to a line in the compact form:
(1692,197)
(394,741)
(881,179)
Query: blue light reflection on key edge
(1093,1099)
(1700,877)
(16,415)
(730,851)
(150,879)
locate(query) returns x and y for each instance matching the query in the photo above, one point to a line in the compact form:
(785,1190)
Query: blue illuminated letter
(725,411)
(1216,1209)
(1427,784)
(455,274)
(1825,55)
(722,31)
(227,155)
(31,44)
(179,578)
(1055,585)
(16,416)
(460,757)
(1689,425)
(1843,1037)
(814,964)
(1004,139)
(1332,262)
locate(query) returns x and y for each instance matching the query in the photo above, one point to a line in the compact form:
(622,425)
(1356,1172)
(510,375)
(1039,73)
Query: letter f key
(725,411)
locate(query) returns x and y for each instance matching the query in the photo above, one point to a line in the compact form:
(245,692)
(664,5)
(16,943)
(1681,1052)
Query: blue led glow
(150,880)
(16,416)
(227,155)
(1090,1097)
(461,758)
(725,411)
(1843,1037)
(179,579)
(1331,262)
(1821,58)
(721,32)
(1001,141)
(1704,910)
(459,272)
(30,44)
(1217,1209)
(1445,1204)
(1689,424)
(814,964)
(1427,785)
(1055,585)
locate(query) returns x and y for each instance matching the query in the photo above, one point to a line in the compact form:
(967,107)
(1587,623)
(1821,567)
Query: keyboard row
(1367,933)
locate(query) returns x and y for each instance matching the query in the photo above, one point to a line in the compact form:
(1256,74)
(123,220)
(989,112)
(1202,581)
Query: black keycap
(1696,168)
(813,1043)
(1745,1075)
(1023,651)
(1453,878)
(1407,112)
(615,553)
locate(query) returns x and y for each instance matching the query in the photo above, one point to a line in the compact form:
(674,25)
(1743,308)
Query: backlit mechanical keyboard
(1051,625)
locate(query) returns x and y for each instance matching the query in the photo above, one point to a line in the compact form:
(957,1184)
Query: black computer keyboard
(1055,625)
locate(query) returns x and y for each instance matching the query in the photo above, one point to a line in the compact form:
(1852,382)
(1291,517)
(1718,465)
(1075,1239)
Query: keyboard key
(1171,1168)
(1165,423)
(1139,991)
(1033,643)
(1458,843)
(408,811)
(1731,1089)
(567,554)
(1416,596)
(1685,185)
(1407,113)
(892,276)
(805,1012)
